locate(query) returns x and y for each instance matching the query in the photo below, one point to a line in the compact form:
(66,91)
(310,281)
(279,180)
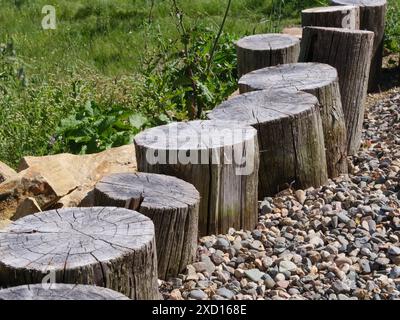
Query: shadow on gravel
(390,77)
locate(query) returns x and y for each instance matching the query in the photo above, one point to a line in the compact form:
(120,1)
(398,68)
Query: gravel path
(340,241)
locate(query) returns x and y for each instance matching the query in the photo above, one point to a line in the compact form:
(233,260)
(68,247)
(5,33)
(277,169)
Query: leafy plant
(95,128)
(392,32)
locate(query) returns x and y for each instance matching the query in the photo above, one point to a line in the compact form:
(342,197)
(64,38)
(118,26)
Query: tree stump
(349,51)
(58,291)
(321,80)
(173,206)
(290,135)
(347,17)
(372,18)
(220,159)
(107,247)
(265,50)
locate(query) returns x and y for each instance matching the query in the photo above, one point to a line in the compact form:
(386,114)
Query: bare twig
(221,27)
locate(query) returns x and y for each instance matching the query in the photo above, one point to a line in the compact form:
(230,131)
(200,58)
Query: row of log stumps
(60,291)
(372,18)
(291,126)
(103,246)
(321,80)
(349,51)
(290,134)
(265,50)
(172,204)
(219,158)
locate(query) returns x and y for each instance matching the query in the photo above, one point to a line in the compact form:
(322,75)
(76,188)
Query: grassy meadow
(114,67)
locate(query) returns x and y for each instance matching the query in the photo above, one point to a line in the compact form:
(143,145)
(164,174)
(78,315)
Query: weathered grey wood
(372,18)
(107,247)
(58,291)
(349,51)
(290,134)
(201,153)
(265,50)
(173,206)
(321,80)
(347,17)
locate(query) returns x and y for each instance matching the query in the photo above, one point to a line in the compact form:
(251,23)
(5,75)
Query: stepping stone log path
(321,80)
(265,50)
(372,18)
(290,134)
(347,17)
(349,51)
(58,291)
(103,246)
(173,206)
(219,158)
(255,145)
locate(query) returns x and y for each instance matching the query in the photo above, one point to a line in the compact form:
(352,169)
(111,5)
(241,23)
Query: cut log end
(335,16)
(264,50)
(56,291)
(219,158)
(104,246)
(321,80)
(290,133)
(172,204)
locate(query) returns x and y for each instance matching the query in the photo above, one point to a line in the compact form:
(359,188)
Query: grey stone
(265,207)
(269,282)
(223,292)
(343,216)
(254,274)
(222,244)
(395,272)
(340,287)
(394,251)
(216,259)
(198,295)
(365,266)
(285,266)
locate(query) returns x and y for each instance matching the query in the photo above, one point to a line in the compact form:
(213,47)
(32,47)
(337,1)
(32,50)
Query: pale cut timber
(104,246)
(321,80)
(347,17)
(293,31)
(265,50)
(372,18)
(349,51)
(173,206)
(219,158)
(290,134)
(60,291)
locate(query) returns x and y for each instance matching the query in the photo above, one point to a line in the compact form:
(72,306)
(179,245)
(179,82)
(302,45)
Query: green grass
(97,54)
(109,35)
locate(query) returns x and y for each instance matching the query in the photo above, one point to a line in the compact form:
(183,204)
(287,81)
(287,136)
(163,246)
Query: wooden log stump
(321,80)
(349,51)
(265,50)
(347,17)
(173,206)
(372,18)
(59,291)
(220,159)
(290,135)
(107,247)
